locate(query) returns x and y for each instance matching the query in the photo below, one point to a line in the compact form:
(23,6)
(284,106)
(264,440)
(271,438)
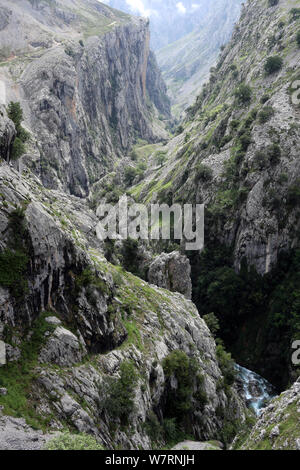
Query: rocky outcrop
(73,308)
(278,426)
(15,434)
(172,271)
(240,158)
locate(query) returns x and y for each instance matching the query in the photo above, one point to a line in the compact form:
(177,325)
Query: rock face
(105,318)
(278,426)
(172,271)
(240,158)
(7,134)
(86,99)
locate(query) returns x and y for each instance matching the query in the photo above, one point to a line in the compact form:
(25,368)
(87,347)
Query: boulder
(62,348)
(172,271)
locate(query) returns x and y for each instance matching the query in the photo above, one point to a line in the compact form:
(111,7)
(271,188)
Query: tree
(15,113)
(243,93)
(273,3)
(273,64)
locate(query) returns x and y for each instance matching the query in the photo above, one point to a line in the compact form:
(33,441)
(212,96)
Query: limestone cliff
(74,325)
(83,76)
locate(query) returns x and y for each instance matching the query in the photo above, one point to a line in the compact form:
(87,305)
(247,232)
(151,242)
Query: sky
(138,6)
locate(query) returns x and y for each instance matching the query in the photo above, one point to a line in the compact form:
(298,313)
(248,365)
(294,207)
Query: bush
(264,99)
(120,401)
(68,441)
(203,173)
(243,93)
(261,159)
(226,364)
(265,114)
(212,322)
(273,3)
(18,149)
(273,64)
(295,13)
(298,38)
(15,113)
(274,153)
(180,366)
(294,194)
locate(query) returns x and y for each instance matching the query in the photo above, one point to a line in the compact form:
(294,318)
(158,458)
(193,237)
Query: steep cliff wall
(238,153)
(84,94)
(90,346)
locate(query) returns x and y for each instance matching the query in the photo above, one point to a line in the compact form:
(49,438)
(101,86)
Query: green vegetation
(15,113)
(212,322)
(119,403)
(243,94)
(294,194)
(131,173)
(265,114)
(14,259)
(246,301)
(68,441)
(295,14)
(273,64)
(273,3)
(184,400)
(18,377)
(203,173)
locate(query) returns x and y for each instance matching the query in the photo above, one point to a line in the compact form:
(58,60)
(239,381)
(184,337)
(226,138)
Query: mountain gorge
(187,37)
(117,339)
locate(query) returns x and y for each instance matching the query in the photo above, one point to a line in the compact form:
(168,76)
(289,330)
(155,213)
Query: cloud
(181,8)
(138,6)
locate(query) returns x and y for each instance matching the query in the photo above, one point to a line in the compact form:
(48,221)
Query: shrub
(295,13)
(274,153)
(298,38)
(273,64)
(265,114)
(18,149)
(179,403)
(264,99)
(294,194)
(244,140)
(81,42)
(130,174)
(161,158)
(243,93)
(260,159)
(234,124)
(68,441)
(226,364)
(212,322)
(203,173)
(273,3)
(120,401)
